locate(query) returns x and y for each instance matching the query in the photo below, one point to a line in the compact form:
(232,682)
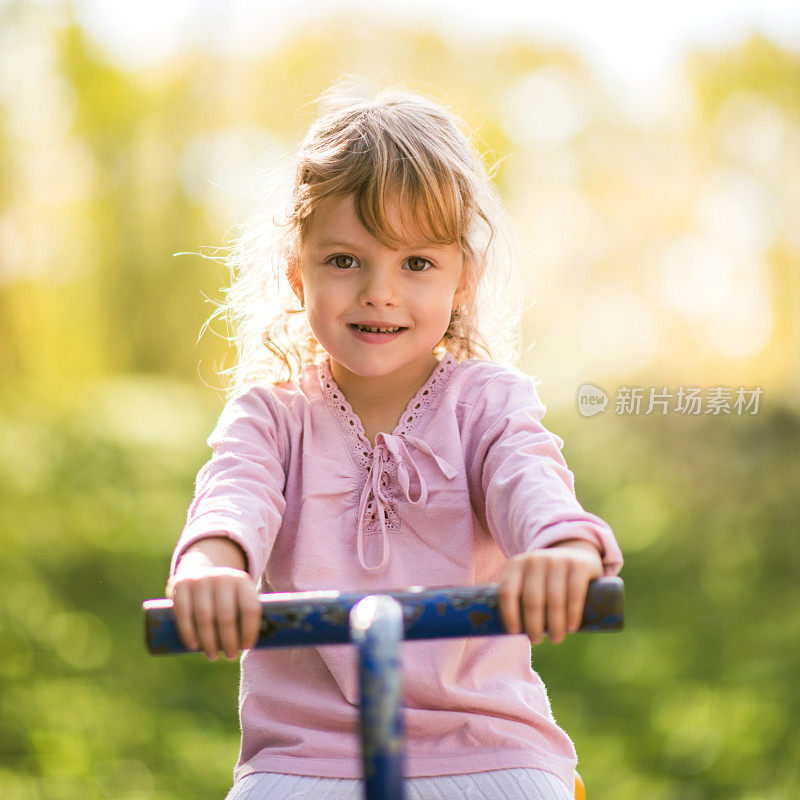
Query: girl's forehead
(336,219)
(335,212)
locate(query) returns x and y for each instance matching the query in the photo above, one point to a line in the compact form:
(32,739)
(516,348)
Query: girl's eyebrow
(325,243)
(334,243)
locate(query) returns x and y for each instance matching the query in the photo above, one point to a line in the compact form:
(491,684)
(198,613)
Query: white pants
(501,784)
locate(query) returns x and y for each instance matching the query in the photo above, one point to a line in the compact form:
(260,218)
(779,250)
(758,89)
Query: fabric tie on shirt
(388,447)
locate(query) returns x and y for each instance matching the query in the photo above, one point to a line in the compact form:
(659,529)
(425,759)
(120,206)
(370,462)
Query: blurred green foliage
(103,418)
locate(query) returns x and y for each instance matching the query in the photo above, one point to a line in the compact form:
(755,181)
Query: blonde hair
(377,146)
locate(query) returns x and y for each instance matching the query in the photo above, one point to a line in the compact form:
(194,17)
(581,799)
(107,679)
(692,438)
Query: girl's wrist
(581,543)
(214,551)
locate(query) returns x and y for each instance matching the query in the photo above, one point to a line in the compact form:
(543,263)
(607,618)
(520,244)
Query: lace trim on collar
(409,420)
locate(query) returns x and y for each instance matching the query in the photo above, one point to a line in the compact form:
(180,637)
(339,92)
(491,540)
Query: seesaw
(376,624)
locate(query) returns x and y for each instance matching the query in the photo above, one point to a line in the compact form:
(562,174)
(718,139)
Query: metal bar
(315,618)
(376,627)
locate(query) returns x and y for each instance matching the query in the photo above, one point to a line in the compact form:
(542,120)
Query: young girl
(393,456)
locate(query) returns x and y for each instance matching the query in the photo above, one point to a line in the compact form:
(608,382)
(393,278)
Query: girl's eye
(342,262)
(418,264)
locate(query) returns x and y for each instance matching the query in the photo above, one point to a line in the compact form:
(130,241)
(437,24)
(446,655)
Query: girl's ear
(462,291)
(295,280)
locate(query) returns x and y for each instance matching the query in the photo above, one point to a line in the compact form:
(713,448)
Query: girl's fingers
(576,597)
(557,576)
(216,609)
(509,592)
(205,620)
(533,599)
(184,618)
(249,615)
(226,602)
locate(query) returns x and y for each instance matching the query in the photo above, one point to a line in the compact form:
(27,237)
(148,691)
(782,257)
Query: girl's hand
(216,605)
(549,586)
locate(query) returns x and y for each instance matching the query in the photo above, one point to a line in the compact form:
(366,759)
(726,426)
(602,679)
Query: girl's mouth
(369,329)
(372,335)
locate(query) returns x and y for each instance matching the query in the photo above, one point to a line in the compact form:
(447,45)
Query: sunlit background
(650,156)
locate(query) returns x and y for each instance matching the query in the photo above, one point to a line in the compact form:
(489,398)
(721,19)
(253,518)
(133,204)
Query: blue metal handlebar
(315,618)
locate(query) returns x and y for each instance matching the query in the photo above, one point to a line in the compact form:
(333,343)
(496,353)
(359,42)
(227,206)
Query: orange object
(580,789)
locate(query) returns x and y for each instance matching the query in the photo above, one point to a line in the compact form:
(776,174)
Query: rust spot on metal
(411,614)
(335,614)
(478,618)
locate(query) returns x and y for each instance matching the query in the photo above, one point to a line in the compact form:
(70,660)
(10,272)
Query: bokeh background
(651,161)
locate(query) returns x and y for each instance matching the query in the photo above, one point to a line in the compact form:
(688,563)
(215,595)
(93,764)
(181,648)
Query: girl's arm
(239,491)
(525,493)
(230,529)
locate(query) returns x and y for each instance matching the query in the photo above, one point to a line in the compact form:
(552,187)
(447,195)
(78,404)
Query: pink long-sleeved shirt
(468,478)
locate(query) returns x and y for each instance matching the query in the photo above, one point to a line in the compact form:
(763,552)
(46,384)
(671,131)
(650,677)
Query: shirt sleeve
(526,491)
(239,491)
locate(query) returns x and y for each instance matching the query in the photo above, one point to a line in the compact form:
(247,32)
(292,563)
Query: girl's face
(349,280)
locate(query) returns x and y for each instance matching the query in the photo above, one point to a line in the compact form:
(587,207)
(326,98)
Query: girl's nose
(378,287)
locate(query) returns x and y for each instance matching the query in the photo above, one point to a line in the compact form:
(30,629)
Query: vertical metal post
(376,628)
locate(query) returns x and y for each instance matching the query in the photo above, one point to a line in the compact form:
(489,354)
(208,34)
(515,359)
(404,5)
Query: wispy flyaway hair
(380,147)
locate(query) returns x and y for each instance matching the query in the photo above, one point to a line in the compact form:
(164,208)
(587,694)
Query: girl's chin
(381,363)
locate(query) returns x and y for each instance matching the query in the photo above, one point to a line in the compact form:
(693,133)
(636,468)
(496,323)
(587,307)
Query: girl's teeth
(377,330)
